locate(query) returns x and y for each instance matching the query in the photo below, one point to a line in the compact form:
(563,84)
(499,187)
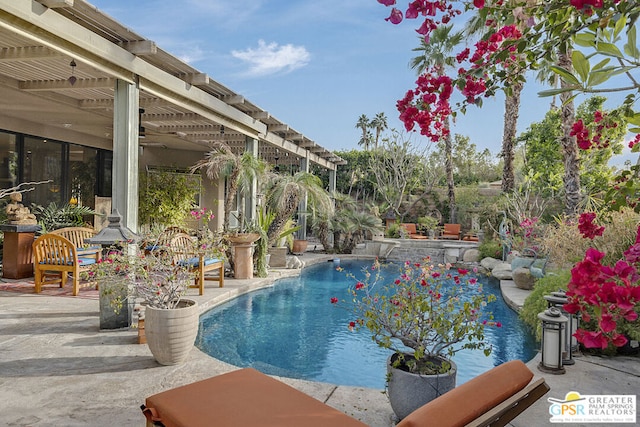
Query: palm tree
(363,124)
(571,179)
(284,195)
(436,53)
(239,171)
(511,113)
(355,225)
(379,123)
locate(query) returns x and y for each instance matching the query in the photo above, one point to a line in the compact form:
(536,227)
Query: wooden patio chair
(492,399)
(77,236)
(183,251)
(451,232)
(54,257)
(411,230)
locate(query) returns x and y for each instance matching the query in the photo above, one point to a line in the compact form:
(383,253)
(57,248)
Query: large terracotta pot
(299,246)
(407,391)
(171,333)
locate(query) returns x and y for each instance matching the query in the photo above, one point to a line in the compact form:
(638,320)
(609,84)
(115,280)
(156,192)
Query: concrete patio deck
(58,369)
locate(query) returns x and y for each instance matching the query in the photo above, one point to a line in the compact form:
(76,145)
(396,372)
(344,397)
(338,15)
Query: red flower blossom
(334,300)
(586,226)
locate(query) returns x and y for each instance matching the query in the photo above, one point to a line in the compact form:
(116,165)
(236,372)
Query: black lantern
(553,337)
(114,233)
(558,300)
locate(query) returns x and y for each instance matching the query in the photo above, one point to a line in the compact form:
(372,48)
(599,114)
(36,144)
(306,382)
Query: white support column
(302,207)
(251,146)
(124,186)
(332,181)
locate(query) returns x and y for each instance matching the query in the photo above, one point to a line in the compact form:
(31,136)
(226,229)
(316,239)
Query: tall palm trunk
(281,218)
(511,113)
(569,145)
(451,188)
(232,190)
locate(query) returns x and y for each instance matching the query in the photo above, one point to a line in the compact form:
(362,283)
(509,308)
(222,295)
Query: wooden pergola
(72,73)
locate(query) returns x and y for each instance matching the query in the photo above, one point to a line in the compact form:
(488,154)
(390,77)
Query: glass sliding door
(44,161)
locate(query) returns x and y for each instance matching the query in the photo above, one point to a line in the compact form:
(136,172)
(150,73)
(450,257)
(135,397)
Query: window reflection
(42,162)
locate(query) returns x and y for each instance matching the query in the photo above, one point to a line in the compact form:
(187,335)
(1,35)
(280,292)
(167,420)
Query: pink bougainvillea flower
(619,340)
(587,228)
(395,17)
(478,3)
(387,2)
(359,286)
(334,300)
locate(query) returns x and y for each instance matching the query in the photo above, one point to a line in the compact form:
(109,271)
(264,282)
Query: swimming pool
(292,330)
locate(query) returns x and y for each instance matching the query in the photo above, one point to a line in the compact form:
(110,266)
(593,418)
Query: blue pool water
(292,330)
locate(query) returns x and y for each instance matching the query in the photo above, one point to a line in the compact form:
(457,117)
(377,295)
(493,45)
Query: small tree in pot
(425,315)
(171,321)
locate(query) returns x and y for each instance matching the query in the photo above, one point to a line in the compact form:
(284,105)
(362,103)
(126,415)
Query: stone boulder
(523,279)
(489,263)
(502,271)
(471,255)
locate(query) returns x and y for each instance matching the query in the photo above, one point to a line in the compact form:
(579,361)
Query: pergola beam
(56,3)
(197,79)
(141,47)
(10,54)
(43,85)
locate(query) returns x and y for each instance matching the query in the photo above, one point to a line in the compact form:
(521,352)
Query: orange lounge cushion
(240,399)
(409,227)
(468,401)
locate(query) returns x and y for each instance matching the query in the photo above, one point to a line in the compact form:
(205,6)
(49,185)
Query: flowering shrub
(519,35)
(607,296)
(434,310)
(151,277)
(527,238)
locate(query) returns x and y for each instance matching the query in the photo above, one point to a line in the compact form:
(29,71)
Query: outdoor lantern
(553,340)
(558,300)
(114,233)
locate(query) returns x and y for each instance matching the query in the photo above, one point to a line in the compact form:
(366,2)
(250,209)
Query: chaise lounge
(247,397)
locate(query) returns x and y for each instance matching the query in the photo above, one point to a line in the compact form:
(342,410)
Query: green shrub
(535,302)
(53,217)
(393,231)
(490,248)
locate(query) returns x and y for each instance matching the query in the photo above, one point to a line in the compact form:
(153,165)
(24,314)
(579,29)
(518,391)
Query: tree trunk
(569,145)
(281,218)
(323,235)
(511,113)
(451,189)
(232,190)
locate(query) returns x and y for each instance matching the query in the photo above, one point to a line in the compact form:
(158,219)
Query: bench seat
(247,397)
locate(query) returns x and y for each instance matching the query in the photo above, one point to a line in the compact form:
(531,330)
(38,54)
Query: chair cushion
(468,401)
(81,261)
(243,398)
(195,261)
(209,261)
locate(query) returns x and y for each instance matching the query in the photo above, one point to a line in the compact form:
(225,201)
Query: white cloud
(272,58)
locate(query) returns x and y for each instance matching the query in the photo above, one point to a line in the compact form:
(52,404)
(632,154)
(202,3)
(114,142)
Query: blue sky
(315,65)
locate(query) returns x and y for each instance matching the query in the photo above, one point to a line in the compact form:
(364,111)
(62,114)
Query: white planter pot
(407,391)
(171,333)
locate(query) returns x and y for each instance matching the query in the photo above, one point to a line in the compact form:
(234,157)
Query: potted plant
(171,321)
(428,226)
(425,315)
